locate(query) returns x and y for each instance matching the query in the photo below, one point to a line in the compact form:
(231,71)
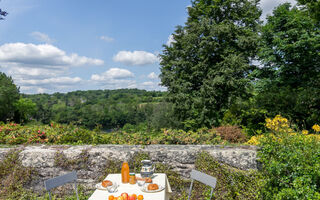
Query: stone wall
(90,161)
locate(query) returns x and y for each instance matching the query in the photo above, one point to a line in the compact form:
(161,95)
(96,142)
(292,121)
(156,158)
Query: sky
(68,45)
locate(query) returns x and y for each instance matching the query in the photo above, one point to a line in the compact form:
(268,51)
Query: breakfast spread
(144,183)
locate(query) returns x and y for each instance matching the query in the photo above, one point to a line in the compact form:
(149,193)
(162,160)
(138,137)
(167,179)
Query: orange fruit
(135,196)
(140,197)
(111,197)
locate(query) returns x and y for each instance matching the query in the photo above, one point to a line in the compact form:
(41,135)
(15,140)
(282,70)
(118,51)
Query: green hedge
(291,165)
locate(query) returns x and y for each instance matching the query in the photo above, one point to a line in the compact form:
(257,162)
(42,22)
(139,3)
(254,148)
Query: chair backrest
(203,178)
(61,180)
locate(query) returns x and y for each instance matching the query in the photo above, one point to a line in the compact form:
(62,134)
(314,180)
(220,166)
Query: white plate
(112,188)
(100,187)
(145,189)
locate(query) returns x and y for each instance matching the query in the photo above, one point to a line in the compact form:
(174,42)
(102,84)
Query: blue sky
(66,45)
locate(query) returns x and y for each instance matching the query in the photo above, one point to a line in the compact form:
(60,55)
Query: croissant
(153,187)
(106,183)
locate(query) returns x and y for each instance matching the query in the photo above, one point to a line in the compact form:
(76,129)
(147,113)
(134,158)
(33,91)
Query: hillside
(109,108)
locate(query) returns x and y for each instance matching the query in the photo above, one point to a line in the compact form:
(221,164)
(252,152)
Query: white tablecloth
(160,179)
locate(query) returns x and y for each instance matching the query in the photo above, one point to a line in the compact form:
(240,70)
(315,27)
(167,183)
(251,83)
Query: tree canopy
(2,14)
(290,79)
(9,94)
(207,65)
(313,6)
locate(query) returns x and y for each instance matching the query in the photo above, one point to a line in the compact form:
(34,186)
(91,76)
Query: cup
(140,182)
(113,188)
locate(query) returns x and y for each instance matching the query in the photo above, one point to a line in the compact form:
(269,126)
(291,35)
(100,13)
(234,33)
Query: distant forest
(107,108)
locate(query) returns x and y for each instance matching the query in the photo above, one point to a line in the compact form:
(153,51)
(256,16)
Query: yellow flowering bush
(316,128)
(255,140)
(278,124)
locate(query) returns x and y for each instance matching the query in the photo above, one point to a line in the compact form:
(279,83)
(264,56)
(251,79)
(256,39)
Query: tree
(208,64)
(9,94)
(290,79)
(313,6)
(25,108)
(2,14)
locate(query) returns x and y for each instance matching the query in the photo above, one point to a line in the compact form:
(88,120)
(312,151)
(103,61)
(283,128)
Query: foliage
(290,162)
(247,114)
(316,128)
(282,125)
(207,65)
(313,7)
(81,162)
(70,134)
(54,134)
(25,109)
(231,134)
(178,184)
(289,78)
(166,136)
(2,14)
(9,94)
(13,175)
(25,194)
(110,108)
(231,184)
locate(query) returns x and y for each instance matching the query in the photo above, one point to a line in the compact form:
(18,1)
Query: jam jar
(132,178)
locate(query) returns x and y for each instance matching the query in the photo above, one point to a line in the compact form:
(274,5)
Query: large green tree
(290,77)
(313,6)
(25,108)
(9,94)
(208,63)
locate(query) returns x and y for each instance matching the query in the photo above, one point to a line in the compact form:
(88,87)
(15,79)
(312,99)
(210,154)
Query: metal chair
(61,180)
(203,178)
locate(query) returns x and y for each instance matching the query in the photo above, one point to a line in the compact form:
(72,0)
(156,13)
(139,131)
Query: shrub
(13,175)
(166,136)
(69,134)
(291,162)
(231,183)
(232,134)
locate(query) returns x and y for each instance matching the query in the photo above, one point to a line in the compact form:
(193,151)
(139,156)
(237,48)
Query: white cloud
(152,75)
(113,73)
(148,83)
(41,90)
(44,55)
(170,40)
(51,81)
(106,38)
(34,72)
(42,68)
(42,37)
(268,6)
(135,58)
(114,78)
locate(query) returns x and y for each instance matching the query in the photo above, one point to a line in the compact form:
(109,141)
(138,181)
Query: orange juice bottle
(125,172)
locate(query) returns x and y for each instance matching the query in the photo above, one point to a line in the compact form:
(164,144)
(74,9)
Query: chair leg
(211,193)
(49,195)
(190,190)
(76,188)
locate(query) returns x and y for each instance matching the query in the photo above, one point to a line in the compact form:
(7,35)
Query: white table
(159,178)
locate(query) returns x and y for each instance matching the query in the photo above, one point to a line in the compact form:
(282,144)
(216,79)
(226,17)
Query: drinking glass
(140,182)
